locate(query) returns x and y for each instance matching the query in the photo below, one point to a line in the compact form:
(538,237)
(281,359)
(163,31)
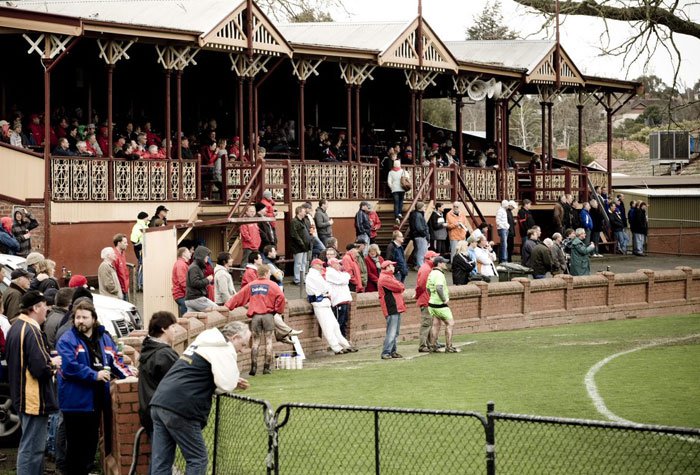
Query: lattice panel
(355,181)
(539,184)
(598,179)
(189,181)
(369,177)
(99,178)
(312,182)
(558,181)
(512,179)
(60,179)
(139,179)
(444,177)
(275,176)
(174,180)
(122,181)
(80,180)
(238,178)
(469,177)
(157,181)
(296,182)
(575,186)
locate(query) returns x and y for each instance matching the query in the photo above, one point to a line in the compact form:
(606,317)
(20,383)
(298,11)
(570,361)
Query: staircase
(385,210)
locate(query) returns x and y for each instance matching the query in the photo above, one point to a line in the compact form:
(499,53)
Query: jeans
(317,246)
(453,249)
(503,250)
(299,265)
(421,245)
(398,202)
(393,326)
(587,241)
(169,430)
(595,239)
(621,238)
(30,454)
(181,307)
(638,243)
(200,304)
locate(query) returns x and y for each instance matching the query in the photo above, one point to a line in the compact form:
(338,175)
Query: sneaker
(340,352)
(452,349)
(296,332)
(396,355)
(424,349)
(386,357)
(352,349)
(440,345)
(267,370)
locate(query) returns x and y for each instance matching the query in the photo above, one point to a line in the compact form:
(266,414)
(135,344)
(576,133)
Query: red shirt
(372,273)
(262,296)
(351,267)
(269,208)
(179,278)
(103,142)
(250,236)
(250,274)
(122,270)
(390,293)
(422,295)
(375,222)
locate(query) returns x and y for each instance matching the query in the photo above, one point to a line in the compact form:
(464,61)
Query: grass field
(539,371)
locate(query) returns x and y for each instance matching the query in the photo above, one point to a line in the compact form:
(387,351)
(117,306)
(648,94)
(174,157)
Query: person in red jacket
(250,236)
(264,298)
(422,296)
(179,278)
(151,137)
(350,266)
(36,129)
(120,244)
(391,299)
(373,261)
(376,225)
(251,268)
(269,205)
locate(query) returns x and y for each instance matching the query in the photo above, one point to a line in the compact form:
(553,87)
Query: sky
(580,36)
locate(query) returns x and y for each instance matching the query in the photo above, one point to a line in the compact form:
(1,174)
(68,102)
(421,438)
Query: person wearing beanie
(8,243)
(136,238)
(77,280)
(32,260)
(31,370)
(12,296)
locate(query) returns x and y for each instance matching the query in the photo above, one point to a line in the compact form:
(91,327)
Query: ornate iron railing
(113,179)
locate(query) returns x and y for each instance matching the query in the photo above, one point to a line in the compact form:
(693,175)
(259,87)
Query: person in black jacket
(462,266)
(640,228)
(363,226)
(618,228)
(157,357)
(511,230)
(598,222)
(525,220)
(196,299)
(22,226)
(419,232)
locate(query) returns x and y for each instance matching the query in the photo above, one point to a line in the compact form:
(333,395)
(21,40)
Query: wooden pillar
(241,131)
(178,112)
(110,73)
(412,128)
(549,135)
(48,185)
(580,137)
(358,129)
(608,117)
(168,125)
(458,128)
(420,128)
(251,132)
(348,88)
(543,130)
(301,130)
(89,102)
(490,113)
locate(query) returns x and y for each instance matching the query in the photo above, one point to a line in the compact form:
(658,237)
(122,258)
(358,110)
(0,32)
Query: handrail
(418,194)
(245,190)
(462,187)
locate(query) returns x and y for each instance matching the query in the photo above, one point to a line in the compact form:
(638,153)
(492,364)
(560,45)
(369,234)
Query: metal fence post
(490,439)
(377,464)
(216,435)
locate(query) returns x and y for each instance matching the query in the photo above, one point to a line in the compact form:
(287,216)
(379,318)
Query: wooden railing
(86,179)
(549,185)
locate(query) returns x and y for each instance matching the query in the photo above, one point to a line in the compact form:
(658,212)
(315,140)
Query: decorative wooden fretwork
(176,57)
(545,71)
(420,80)
(111,51)
(403,52)
(444,177)
(598,179)
(246,67)
(356,74)
(511,180)
(237,179)
(230,34)
(47,45)
(481,183)
(368,180)
(304,68)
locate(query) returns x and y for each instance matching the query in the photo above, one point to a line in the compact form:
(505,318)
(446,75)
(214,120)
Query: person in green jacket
(580,262)
(437,305)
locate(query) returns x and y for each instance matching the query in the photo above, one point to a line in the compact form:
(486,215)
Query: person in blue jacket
(587,221)
(89,361)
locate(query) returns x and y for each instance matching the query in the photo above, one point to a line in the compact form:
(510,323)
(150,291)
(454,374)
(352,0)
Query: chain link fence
(244,436)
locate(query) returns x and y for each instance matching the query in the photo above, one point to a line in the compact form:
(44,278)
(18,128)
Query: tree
(439,112)
(488,25)
(525,124)
(656,21)
(299,10)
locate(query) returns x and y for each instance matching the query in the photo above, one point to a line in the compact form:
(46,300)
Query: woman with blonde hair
(373,260)
(45,276)
(462,264)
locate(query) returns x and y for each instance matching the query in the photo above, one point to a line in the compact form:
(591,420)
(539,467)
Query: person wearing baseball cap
(391,299)
(318,293)
(30,370)
(12,298)
(422,296)
(160,214)
(437,304)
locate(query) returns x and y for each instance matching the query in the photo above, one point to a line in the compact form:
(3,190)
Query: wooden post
(241,131)
(110,73)
(301,130)
(358,153)
(178,112)
(549,135)
(543,129)
(414,145)
(580,137)
(608,117)
(458,128)
(253,147)
(168,125)
(420,129)
(349,117)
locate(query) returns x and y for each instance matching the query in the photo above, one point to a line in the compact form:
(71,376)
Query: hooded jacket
(209,365)
(8,243)
(390,294)
(196,281)
(154,363)
(20,229)
(11,300)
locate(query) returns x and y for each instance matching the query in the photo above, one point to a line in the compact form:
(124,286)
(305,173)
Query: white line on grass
(593,389)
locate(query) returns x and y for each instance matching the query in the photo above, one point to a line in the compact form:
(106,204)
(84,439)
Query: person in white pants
(318,294)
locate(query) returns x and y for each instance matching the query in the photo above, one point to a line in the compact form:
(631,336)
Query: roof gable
(545,71)
(230,33)
(402,52)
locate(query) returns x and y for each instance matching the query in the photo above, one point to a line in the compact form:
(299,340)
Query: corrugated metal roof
(375,37)
(184,15)
(517,54)
(661,192)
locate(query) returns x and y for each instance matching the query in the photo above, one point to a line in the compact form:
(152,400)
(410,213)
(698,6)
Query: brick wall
(477,307)
(37,209)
